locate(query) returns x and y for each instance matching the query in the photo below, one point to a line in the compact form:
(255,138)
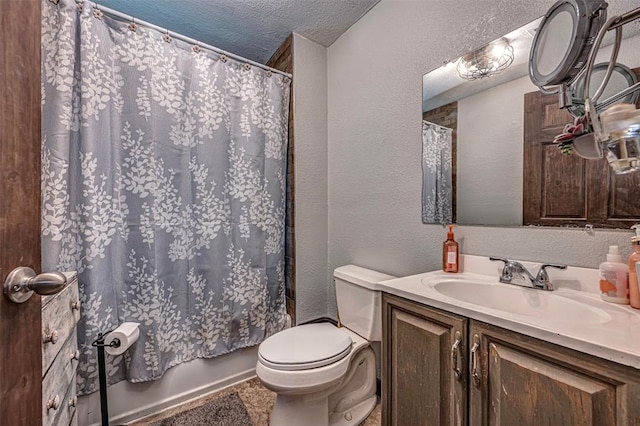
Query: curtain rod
(184,38)
(437,125)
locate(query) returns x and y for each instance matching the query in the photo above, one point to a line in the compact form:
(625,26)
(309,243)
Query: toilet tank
(359,306)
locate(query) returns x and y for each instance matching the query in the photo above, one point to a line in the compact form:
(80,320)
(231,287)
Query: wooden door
(419,383)
(527,382)
(20,332)
(564,189)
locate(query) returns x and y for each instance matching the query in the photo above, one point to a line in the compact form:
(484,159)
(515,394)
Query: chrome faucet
(516,273)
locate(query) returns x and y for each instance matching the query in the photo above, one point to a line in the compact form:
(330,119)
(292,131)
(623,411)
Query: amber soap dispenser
(450,252)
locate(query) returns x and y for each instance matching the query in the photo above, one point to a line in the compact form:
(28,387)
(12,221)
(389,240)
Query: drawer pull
(52,338)
(73,401)
(53,403)
(75,306)
(75,356)
(455,357)
(474,360)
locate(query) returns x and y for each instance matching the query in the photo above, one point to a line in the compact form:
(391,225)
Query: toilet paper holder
(102,372)
(100,342)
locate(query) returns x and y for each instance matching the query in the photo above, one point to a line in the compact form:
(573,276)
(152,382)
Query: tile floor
(258,400)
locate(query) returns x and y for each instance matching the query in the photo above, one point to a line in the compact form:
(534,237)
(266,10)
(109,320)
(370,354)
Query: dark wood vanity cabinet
(424,380)
(506,378)
(525,381)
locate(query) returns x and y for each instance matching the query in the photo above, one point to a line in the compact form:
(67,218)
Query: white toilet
(325,375)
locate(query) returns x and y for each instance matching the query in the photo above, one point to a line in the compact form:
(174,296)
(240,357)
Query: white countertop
(616,339)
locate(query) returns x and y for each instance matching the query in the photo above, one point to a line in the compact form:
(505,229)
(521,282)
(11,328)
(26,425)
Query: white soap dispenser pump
(614,278)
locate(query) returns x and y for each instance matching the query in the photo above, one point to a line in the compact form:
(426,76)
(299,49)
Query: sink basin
(543,305)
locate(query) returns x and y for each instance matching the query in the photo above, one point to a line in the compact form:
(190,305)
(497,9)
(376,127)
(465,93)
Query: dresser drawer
(66,408)
(56,383)
(60,313)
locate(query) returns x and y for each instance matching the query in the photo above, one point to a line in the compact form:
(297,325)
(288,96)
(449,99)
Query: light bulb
(497,50)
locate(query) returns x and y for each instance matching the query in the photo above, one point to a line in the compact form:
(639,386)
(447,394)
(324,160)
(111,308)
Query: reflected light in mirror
(487,61)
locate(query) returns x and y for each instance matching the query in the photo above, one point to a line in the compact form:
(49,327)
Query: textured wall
(374,73)
(310,162)
(490,162)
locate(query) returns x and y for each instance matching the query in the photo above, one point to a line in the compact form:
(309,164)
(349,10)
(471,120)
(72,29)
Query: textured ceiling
(443,85)
(253,29)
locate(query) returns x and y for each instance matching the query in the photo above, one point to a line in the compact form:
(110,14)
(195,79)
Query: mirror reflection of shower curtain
(437,180)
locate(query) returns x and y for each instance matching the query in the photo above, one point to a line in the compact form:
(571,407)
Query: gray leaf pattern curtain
(437,181)
(163,185)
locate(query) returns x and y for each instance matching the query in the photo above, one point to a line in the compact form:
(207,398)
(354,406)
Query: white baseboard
(182,398)
(184,382)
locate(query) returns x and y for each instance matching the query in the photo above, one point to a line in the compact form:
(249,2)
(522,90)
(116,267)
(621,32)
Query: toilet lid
(304,347)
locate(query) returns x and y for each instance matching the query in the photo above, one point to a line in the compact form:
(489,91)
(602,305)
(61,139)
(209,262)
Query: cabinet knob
(75,306)
(51,338)
(75,356)
(53,403)
(73,401)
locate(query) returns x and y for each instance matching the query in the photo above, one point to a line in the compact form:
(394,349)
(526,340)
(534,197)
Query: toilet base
(301,411)
(355,415)
(348,403)
(296,410)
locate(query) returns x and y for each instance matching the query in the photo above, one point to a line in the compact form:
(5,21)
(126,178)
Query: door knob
(22,282)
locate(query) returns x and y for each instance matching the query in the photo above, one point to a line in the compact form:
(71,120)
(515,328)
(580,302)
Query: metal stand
(102,373)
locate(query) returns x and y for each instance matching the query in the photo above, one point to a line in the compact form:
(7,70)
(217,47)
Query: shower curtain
(437,182)
(163,185)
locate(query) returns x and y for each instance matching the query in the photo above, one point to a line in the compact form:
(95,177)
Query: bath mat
(228,410)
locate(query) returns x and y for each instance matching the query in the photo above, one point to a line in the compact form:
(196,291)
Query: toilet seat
(305,347)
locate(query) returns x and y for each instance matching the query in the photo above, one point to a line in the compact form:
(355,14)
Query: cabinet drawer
(59,317)
(58,379)
(66,409)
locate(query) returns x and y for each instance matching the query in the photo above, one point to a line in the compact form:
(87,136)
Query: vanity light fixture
(487,61)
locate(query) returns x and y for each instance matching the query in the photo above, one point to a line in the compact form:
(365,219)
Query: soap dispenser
(634,259)
(614,278)
(450,252)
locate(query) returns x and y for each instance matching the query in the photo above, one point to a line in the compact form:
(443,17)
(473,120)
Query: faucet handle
(505,275)
(552,265)
(543,276)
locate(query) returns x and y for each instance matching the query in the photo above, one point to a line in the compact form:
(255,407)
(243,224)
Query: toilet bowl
(323,374)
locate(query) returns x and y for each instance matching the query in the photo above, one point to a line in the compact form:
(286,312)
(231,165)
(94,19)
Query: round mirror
(621,78)
(563,41)
(554,42)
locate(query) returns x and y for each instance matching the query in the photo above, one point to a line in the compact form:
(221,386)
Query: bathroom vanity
(506,355)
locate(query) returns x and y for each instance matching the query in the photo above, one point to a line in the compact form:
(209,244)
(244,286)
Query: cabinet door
(518,380)
(424,374)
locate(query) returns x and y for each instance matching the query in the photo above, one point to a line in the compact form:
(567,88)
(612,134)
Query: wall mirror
(489,156)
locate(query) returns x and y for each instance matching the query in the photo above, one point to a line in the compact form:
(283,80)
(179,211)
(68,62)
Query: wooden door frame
(20,139)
